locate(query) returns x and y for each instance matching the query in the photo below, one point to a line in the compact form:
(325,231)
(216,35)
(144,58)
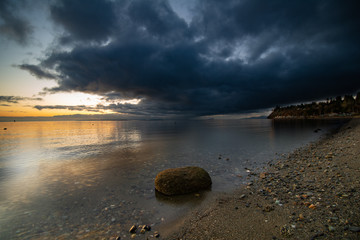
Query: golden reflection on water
(36,156)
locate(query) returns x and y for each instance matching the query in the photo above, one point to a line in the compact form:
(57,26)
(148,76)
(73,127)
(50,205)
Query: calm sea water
(71,178)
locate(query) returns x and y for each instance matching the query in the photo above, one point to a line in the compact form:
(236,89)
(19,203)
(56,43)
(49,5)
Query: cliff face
(346,106)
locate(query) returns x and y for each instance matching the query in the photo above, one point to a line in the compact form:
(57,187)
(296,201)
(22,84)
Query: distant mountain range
(347,106)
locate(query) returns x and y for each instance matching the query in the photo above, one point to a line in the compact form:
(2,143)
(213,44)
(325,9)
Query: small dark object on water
(133,229)
(317,130)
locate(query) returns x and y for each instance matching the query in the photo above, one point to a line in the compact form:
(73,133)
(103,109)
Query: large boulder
(183,180)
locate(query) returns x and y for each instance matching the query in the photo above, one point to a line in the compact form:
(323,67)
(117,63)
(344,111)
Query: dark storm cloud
(13,26)
(17,99)
(157,17)
(234,56)
(36,71)
(66,107)
(91,20)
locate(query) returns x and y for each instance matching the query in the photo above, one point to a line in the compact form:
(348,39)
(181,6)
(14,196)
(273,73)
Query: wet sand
(313,193)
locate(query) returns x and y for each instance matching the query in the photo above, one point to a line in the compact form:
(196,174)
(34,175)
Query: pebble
(286,231)
(317,235)
(132,229)
(146,228)
(312,206)
(268,208)
(354,229)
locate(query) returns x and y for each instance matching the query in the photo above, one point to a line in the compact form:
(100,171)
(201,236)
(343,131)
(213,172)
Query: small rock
(133,236)
(312,206)
(242,196)
(142,231)
(147,227)
(156,234)
(354,229)
(331,228)
(133,229)
(268,208)
(286,231)
(317,235)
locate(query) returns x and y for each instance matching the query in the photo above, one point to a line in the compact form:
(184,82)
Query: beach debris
(262,175)
(156,234)
(133,229)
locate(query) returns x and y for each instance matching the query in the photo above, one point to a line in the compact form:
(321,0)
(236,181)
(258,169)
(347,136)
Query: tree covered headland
(346,106)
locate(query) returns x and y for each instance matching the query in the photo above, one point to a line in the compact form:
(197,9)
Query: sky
(174,58)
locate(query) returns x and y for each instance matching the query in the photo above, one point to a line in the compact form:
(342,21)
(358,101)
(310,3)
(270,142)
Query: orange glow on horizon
(87,101)
(21,111)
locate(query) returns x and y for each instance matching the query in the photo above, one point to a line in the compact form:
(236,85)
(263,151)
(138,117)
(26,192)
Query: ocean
(79,177)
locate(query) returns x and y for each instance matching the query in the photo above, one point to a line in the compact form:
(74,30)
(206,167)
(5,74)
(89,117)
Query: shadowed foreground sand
(314,193)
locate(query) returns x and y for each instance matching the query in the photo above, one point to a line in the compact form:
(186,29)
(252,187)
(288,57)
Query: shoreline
(313,193)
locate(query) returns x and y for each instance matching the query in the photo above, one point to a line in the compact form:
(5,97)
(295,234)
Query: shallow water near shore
(71,178)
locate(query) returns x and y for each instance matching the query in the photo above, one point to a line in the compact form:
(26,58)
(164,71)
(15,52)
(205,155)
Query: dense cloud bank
(232,56)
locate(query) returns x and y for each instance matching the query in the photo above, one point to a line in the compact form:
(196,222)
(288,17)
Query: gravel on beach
(313,193)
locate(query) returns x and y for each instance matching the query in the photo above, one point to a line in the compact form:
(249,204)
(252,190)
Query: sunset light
(179,119)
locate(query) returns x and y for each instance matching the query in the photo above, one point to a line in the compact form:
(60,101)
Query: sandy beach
(312,193)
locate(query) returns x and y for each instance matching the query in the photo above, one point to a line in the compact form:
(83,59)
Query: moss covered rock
(183,180)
